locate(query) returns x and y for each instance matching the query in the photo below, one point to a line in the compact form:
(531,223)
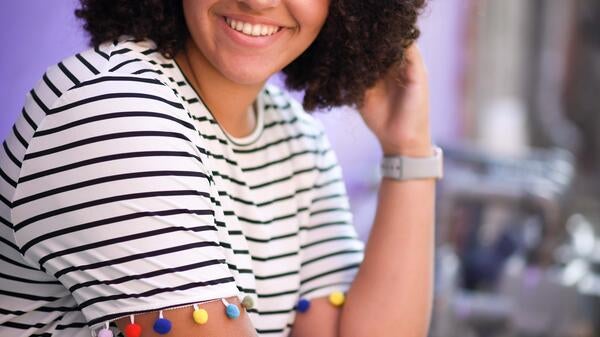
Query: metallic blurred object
(512,261)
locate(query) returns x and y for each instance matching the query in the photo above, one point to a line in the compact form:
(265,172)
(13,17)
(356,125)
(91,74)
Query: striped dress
(121,194)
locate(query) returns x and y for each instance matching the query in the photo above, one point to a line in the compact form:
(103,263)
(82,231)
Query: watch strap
(404,167)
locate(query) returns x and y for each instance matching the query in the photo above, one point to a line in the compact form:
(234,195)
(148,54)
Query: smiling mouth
(253,30)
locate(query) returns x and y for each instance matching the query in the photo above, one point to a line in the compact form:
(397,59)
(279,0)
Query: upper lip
(254,20)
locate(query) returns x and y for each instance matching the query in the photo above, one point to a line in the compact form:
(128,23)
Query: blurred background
(515,89)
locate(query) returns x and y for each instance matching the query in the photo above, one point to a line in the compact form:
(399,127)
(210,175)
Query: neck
(227,101)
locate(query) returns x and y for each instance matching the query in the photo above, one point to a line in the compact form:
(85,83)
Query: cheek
(311,14)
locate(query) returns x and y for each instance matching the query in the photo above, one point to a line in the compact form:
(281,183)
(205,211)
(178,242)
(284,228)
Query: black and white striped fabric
(121,194)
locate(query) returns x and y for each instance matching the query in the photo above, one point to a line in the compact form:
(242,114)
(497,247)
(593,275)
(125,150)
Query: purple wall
(37,33)
(34,34)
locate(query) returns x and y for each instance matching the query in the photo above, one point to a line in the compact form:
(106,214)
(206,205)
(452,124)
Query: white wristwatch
(404,168)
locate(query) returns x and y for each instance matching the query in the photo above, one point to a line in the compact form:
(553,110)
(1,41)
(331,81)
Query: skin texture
(392,293)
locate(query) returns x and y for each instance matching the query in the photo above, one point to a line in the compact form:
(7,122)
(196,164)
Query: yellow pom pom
(200,316)
(337,298)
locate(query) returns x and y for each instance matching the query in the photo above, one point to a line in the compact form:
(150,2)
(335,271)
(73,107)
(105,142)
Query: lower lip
(246,40)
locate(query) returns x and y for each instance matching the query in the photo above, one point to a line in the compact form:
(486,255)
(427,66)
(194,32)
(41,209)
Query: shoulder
(124,60)
(124,76)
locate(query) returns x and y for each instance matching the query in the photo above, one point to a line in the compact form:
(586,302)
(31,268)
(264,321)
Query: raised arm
(392,292)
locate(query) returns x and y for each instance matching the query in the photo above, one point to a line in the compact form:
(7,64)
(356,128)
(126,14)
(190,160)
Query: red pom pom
(133,330)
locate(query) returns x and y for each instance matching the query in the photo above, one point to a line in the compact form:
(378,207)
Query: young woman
(154,184)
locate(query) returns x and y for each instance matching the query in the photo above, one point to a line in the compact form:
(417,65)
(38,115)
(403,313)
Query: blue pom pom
(232,311)
(162,326)
(303,305)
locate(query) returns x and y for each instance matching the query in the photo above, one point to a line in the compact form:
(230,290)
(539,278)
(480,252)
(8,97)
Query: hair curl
(359,42)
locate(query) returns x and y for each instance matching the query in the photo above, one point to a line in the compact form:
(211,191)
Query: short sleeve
(331,251)
(113,201)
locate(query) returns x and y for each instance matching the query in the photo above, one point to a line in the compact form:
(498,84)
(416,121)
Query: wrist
(409,149)
(408,167)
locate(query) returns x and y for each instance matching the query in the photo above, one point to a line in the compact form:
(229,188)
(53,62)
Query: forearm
(392,293)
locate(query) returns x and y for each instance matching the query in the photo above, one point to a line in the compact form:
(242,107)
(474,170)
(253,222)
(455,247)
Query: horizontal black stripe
(51,85)
(323,257)
(125,238)
(112,115)
(26,280)
(239,270)
(6,178)
(102,201)
(87,64)
(102,138)
(10,155)
(278,294)
(2,220)
(108,158)
(4,311)
(269,331)
(310,290)
(27,296)
(270,277)
(335,238)
(120,51)
(213,137)
(274,238)
(326,197)
(219,156)
(153,273)
(284,140)
(283,160)
(67,73)
(329,272)
(286,106)
(123,64)
(16,263)
(282,179)
(106,78)
(19,137)
(325,224)
(329,210)
(112,178)
(101,53)
(148,294)
(270,221)
(291,121)
(134,257)
(22,326)
(74,325)
(143,71)
(150,51)
(103,222)
(117,95)
(273,257)
(28,119)
(38,101)
(9,243)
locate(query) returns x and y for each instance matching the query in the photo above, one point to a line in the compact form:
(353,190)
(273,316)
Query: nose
(259,5)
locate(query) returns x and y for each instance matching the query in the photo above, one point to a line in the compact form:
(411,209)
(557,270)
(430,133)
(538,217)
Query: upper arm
(114,201)
(331,251)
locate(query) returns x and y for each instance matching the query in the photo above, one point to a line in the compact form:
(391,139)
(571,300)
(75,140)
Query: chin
(247,73)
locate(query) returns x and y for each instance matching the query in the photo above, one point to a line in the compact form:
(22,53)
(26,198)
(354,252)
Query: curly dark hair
(360,41)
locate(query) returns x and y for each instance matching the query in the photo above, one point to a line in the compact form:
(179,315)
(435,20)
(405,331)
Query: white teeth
(250,29)
(238,26)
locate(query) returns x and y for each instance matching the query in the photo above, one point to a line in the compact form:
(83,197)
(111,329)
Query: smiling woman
(155,184)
